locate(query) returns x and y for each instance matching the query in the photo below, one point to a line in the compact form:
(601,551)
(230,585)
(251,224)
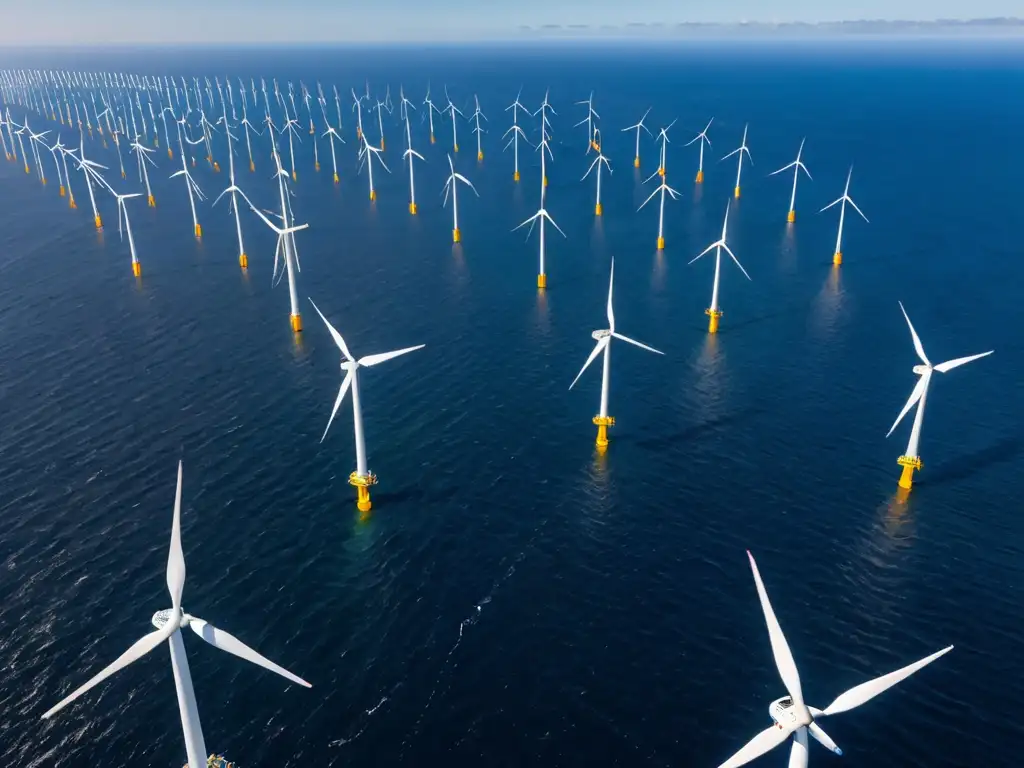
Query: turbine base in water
(412,208)
(515,176)
(63,191)
(700,177)
(545,180)
(296,321)
(373,195)
(837,258)
(317,167)
(152,202)
(598,210)
(661,243)
(909,464)
(99,222)
(295,175)
(736,193)
(71,202)
(791,217)
(542,281)
(170,153)
(713,314)
(336,179)
(243,261)
(456,147)
(432,139)
(199,230)
(137,269)
(456,235)
(382,144)
(661,171)
(603,422)
(636,161)
(480,157)
(252,167)
(216,166)
(362,484)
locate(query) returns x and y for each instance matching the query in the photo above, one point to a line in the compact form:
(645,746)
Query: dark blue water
(515,598)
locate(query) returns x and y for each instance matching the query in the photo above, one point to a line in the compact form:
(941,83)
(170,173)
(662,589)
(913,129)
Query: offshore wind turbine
(797,166)
(662,188)
(409,154)
(431,109)
(362,478)
(136,266)
(663,152)
(193,192)
(639,127)
(367,154)
(142,152)
(57,162)
(233,190)
(88,169)
(516,131)
(739,166)
(452,109)
(592,143)
(169,624)
(451,186)
(598,210)
(67,177)
(701,137)
(791,716)
(333,134)
(478,130)
(541,215)
(713,312)
(837,257)
(911,460)
(604,338)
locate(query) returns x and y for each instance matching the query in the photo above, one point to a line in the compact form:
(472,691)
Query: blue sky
(75,21)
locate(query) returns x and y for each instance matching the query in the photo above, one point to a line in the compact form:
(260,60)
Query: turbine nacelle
(921,370)
(598,335)
(162,618)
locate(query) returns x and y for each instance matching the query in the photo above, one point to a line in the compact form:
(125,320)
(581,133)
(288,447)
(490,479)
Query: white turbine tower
(604,340)
(638,127)
(598,210)
(739,167)
(136,266)
(169,624)
(193,192)
(837,257)
(790,715)
(911,460)
(366,155)
(409,154)
(663,188)
(234,191)
(797,166)
(713,312)
(453,109)
(542,214)
(702,137)
(334,160)
(88,168)
(451,187)
(362,478)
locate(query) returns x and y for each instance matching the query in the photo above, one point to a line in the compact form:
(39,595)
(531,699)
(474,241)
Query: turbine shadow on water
(963,467)
(697,431)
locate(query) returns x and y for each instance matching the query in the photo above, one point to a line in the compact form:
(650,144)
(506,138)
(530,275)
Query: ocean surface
(515,598)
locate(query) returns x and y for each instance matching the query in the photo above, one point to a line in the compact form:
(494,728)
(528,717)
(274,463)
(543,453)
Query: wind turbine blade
(918,347)
(834,202)
(548,217)
(532,218)
(726,157)
(371,360)
(651,197)
(780,648)
(345,384)
(706,251)
(221,640)
(728,250)
(804,167)
(598,349)
(824,739)
(334,333)
(636,343)
(867,691)
(949,365)
(858,210)
(917,394)
(175,557)
(764,742)
(139,649)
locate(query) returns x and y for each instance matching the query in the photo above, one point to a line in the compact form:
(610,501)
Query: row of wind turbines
(121,97)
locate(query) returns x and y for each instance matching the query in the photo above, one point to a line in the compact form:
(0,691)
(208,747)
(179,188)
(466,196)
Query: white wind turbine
(290,126)
(451,108)
(541,215)
(193,192)
(169,624)
(702,137)
(53,153)
(143,156)
(67,177)
(477,114)
(409,154)
(362,478)
(638,127)
(791,716)
(911,460)
(663,152)
(234,191)
(121,208)
(713,312)
(516,131)
(333,134)
(662,188)
(589,120)
(431,109)
(739,167)
(366,155)
(88,169)
(604,339)
(451,187)
(837,257)
(797,166)
(598,210)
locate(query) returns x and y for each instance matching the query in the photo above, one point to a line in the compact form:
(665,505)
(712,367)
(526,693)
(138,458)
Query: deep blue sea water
(516,599)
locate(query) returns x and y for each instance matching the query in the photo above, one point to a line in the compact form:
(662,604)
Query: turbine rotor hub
(598,335)
(921,370)
(161,618)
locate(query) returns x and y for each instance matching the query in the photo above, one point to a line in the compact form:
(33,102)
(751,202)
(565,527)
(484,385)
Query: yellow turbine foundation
(295,175)
(515,176)
(603,422)
(545,180)
(661,171)
(252,167)
(480,157)
(243,261)
(99,222)
(123,175)
(791,217)
(373,195)
(71,202)
(661,243)
(63,192)
(336,179)
(359,133)
(456,147)
(170,153)
(636,161)
(598,210)
(362,484)
(736,193)
(542,281)
(381,143)
(432,139)
(27,169)
(456,235)
(296,323)
(199,230)
(136,269)
(837,258)
(713,314)
(412,208)
(700,177)
(152,202)
(909,464)
(44,181)
(317,167)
